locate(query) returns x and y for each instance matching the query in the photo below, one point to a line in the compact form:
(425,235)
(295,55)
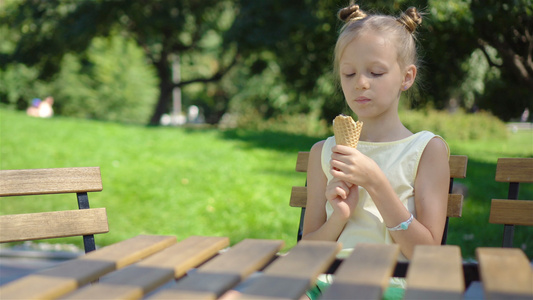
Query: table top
(160,267)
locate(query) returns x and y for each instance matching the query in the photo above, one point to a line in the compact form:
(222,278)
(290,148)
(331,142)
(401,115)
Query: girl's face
(371,77)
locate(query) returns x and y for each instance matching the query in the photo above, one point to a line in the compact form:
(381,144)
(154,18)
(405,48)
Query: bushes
(456,126)
(309,125)
(110,82)
(113,84)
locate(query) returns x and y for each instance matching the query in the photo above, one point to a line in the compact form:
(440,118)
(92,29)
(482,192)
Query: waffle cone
(347,131)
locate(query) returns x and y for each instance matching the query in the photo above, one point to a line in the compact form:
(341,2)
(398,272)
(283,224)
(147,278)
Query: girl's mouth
(362,100)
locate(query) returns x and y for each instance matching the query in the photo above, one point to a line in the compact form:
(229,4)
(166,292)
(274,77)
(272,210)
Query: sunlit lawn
(234,183)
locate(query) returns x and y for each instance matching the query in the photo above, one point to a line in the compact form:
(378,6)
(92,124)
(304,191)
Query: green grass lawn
(235,183)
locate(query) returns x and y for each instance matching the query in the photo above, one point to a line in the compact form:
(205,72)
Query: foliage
(19,82)
(112,84)
(506,26)
(452,31)
(456,126)
(298,48)
(295,124)
(273,56)
(19,86)
(163,29)
(234,183)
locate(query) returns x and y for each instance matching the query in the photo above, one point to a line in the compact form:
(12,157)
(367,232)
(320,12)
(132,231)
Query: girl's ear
(409,77)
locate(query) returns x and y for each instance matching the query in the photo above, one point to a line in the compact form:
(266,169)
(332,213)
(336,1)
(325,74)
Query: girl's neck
(384,131)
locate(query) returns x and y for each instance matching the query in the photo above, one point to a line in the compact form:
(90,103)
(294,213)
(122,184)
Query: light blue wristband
(403,225)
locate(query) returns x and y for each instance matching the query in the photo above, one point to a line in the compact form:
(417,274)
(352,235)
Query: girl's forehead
(369,44)
(373,38)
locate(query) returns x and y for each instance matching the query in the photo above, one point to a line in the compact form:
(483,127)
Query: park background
(260,74)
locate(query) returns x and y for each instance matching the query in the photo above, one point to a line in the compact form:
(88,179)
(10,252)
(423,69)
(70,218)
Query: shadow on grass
(473,229)
(280,141)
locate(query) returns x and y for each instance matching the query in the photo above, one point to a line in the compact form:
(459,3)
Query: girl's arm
(315,225)
(431,198)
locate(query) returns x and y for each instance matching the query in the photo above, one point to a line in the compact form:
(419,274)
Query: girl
(394,187)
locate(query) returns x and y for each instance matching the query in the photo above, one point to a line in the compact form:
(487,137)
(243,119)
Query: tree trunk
(165,90)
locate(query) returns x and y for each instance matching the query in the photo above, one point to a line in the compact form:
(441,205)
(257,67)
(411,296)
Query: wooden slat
(505,273)
(49,181)
(435,272)
(455,206)
(301,161)
(298,196)
(513,212)
(458,165)
(24,227)
(514,170)
(66,277)
(290,276)
(365,274)
(224,271)
(136,280)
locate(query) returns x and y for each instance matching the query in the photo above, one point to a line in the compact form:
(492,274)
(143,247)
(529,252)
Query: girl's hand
(353,167)
(343,198)
(337,188)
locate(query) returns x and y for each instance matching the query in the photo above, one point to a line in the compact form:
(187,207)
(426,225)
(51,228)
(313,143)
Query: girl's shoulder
(317,147)
(319,144)
(434,142)
(328,142)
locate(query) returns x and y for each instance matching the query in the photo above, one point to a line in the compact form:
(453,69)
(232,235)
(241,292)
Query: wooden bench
(511,211)
(458,164)
(84,222)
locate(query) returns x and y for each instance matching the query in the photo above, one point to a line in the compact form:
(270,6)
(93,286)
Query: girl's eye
(376,74)
(349,75)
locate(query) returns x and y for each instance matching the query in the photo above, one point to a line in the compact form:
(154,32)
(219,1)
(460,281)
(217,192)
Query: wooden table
(206,268)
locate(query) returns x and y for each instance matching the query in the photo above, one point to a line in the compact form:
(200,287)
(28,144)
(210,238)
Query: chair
(56,224)
(511,211)
(458,165)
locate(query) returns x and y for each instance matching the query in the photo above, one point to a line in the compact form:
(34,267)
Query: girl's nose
(361,83)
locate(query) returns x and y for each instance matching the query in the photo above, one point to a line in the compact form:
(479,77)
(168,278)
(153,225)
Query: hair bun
(351,13)
(411,18)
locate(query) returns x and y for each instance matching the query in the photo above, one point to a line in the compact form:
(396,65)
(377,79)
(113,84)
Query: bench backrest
(56,224)
(511,211)
(458,165)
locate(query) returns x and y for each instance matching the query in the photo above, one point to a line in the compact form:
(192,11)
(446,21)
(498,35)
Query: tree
(163,29)
(500,30)
(301,34)
(507,27)
(283,49)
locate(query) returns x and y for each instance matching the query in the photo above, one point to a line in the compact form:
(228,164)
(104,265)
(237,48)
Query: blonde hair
(401,30)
